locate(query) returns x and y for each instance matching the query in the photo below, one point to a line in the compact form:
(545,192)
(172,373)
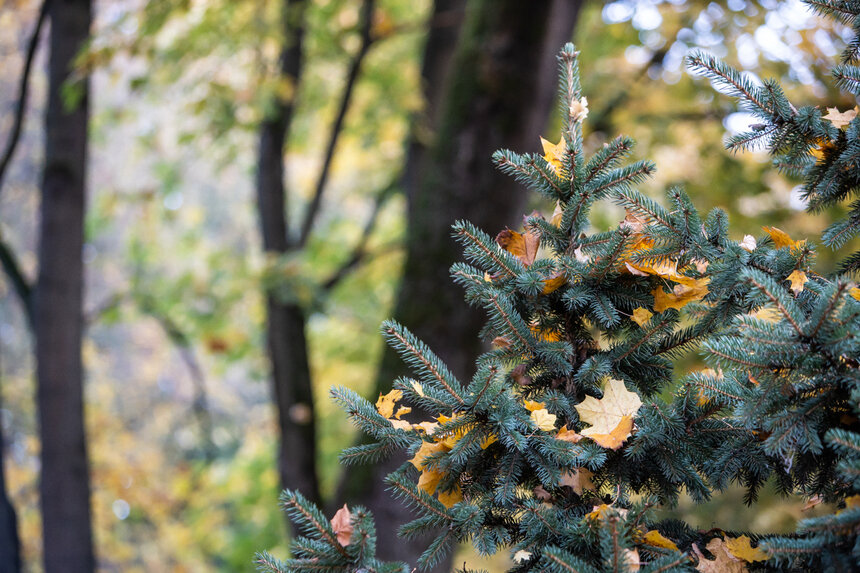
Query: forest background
(180,293)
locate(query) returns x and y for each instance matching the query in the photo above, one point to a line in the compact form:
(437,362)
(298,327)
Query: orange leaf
(616,438)
(568,435)
(523,246)
(781,238)
(553,283)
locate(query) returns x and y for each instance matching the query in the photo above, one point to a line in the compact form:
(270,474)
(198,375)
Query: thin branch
(19,282)
(337,127)
(200,403)
(359,252)
(23,92)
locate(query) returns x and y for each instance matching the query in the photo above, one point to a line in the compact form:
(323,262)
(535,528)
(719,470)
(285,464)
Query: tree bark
(58,302)
(497,93)
(285,322)
(10,545)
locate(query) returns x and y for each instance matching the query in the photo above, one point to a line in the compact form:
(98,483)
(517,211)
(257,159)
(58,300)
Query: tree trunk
(58,298)
(285,322)
(10,546)
(497,94)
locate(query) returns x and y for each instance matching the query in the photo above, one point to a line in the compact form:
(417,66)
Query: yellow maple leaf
(427,449)
(523,246)
(429,480)
(656,539)
(781,238)
(531,405)
(543,420)
(553,153)
(488,441)
(797,280)
(855,293)
(740,547)
(641,316)
(611,417)
(681,295)
(578,479)
(568,435)
(449,498)
(386,402)
(839,119)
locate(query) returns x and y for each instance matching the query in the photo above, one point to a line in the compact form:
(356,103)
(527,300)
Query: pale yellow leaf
(741,548)
(611,417)
(544,420)
(748,244)
(797,280)
(839,119)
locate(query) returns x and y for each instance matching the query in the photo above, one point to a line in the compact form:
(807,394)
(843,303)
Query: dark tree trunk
(285,322)
(58,298)
(497,93)
(10,546)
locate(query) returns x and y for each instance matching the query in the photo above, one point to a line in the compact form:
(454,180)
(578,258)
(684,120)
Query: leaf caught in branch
(342,526)
(611,417)
(523,246)
(839,119)
(797,280)
(553,153)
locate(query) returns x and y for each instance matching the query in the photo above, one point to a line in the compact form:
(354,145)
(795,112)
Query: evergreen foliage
(572,429)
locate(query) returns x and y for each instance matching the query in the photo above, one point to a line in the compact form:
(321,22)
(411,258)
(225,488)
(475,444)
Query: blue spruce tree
(573,430)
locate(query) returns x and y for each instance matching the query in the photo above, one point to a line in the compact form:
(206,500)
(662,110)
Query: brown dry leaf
(641,316)
(797,280)
(578,479)
(578,109)
(748,244)
(568,435)
(611,417)
(656,539)
(553,153)
(781,238)
(541,493)
(813,501)
(518,375)
(523,246)
(386,402)
(723,562)
(741,548)
(839,119)
(501,343)
(681,295)
(543,420)
(449,498)
(342,526)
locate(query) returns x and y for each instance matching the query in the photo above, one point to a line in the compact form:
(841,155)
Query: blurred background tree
(385,115)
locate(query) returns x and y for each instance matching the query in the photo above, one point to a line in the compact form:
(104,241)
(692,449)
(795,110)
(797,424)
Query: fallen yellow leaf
(543,420)
(429,481)
(568,435)
(611,417)
(449,498)
(797,280)
(553,283)
(641,316)
(553,153)
(855,292)
(386,402)
(531,405)
(656,539)
(523,246)
(781,238)
(740,547)
(427,449)
(681,295)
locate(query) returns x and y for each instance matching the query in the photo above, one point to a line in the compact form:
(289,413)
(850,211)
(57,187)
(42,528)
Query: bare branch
(19,282)
(359,252)
(23,92)
(367,40)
